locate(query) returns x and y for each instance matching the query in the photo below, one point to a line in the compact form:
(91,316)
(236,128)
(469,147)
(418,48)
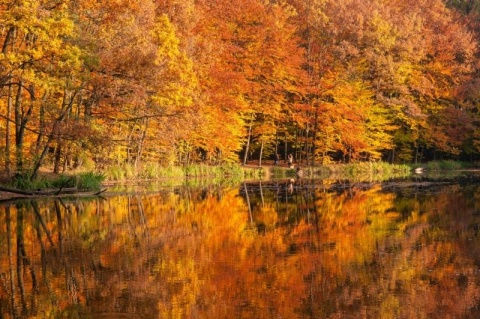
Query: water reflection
(280,249)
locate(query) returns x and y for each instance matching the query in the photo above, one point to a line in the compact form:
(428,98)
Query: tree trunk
(41,125)
(59,231)
(7,131)
(248,203)
(36,210)
(247,147)
(48,192)
(55,129)
(261,193)
(18,130)
(13,306)
(141,144)
(305,147)
(41,158)
(57,157)
(6,43)
(8,37)
(42,253)
(276,141)
(314,136)
(295,146)
(21,260)
(22,118)
(261,154)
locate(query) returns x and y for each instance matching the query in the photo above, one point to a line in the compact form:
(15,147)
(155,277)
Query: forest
(92,83)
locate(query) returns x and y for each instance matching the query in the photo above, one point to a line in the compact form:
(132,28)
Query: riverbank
(227,174)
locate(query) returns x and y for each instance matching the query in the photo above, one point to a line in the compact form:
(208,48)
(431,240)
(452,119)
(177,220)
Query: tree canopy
(178,82)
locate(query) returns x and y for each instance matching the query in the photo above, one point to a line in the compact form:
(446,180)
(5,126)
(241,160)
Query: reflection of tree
(315,253)
(443,256)
(363,234)
(13,308)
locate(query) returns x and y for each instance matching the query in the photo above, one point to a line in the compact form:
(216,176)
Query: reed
(282,172)
(23,181)
(446,165)
(157,171)
(83,181)
(115,173)
(89,181)
(259,172)
(369,171)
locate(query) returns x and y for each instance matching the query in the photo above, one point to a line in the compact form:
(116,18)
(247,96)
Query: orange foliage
(204,252)
(163,81)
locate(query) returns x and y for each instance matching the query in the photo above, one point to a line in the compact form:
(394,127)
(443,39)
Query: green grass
(282,172)
(90,181)
(255,172)
(156,171)
(370,171)
(199,170)
(22,181)
(380,171)
(115,173)
(63,181)
(83,181)
(446,165)
(199,174)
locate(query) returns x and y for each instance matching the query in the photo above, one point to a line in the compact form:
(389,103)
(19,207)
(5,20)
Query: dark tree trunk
(13,306)
(247,147)
(261,154)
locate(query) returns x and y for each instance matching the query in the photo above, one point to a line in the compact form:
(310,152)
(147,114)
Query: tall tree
(142,81)
(261,59)
(41,68)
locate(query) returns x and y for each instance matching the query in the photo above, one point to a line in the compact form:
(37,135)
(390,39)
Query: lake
(272,249)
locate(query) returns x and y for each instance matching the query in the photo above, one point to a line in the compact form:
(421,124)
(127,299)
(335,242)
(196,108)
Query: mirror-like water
(260,250)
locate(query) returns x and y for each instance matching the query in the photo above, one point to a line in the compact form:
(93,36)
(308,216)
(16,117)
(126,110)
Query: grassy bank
(446,165)
(369,171)
(156,171)
(87,181)
(305,172)
(230,174)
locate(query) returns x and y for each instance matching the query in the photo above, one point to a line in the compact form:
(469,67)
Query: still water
(310,249)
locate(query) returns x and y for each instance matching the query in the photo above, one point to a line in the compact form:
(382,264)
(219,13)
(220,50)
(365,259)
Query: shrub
(150,171)
(63,181)
(115,173)
(23,181)
(90,181)
(445,165)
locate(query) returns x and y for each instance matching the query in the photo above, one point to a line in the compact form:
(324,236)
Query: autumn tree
(430,55)
(142,84)
(259,66)
(163,81)
(42,77)
(413,63)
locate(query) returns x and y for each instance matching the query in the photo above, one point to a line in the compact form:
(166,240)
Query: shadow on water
(289,248)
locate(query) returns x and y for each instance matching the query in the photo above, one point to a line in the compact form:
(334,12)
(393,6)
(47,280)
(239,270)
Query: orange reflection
(208,253)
